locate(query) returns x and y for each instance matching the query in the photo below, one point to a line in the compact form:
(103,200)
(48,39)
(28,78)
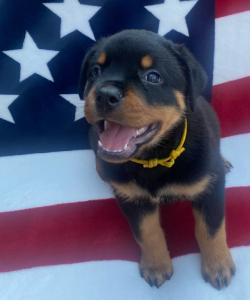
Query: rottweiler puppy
(156,140)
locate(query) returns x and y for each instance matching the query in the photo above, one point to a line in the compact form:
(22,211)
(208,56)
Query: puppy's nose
(108,97)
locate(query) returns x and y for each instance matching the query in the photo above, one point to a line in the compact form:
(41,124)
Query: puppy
(156,140)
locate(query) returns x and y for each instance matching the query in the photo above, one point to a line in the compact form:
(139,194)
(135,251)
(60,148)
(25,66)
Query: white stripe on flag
(120,280)
(232,48)
(50,178)
(64,177)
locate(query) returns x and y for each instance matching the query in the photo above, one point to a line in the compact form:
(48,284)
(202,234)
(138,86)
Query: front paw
(156,273)
(218,270)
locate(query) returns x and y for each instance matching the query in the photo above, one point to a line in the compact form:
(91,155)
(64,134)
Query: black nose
(108,97)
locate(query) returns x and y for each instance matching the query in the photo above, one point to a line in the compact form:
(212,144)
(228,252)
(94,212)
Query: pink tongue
(116,136)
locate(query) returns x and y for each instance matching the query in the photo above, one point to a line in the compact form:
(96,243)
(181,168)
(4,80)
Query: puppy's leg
(155,263)
(217,265)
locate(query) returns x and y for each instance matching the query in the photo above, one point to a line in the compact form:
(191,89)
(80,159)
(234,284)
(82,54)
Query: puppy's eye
(153,77)
(96,72)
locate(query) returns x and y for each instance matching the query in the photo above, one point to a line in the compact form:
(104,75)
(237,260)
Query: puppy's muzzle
(108,97)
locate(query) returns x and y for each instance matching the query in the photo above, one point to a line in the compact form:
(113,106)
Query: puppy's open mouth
(118,141)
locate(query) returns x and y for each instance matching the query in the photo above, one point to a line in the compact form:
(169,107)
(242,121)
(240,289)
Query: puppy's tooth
(142,130)
(125,147)
(105,125)
(100,144)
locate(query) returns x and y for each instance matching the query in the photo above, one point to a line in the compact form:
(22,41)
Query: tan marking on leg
(216,259)
(189,191)
(227,165)
(180,98)
(146,61)
(102,58)
(155,261)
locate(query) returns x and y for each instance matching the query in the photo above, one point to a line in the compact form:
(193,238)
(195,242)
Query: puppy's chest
(167,192)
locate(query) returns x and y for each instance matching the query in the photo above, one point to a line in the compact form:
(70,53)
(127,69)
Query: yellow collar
(166,162)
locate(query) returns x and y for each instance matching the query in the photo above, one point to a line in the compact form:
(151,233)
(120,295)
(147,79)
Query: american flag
(62,235)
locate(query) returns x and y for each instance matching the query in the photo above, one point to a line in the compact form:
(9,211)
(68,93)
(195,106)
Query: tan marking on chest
(133,191)
(130,191)
(189,191)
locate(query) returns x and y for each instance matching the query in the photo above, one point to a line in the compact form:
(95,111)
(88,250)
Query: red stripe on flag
(231,101)
(97,230)
(225,8)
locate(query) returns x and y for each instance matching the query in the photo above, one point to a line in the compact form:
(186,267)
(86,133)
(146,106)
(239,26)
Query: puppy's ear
(84,70)
(194,73)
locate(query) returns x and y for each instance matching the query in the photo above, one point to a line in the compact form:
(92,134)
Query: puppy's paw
(156,273)
(218,270)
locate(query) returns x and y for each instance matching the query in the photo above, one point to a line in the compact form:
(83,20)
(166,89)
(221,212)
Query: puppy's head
(137,86)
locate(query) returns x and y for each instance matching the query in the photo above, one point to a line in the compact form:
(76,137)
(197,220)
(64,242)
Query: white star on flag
(5,102)
(74,16)
(171,15)
(32,59)
(79,104)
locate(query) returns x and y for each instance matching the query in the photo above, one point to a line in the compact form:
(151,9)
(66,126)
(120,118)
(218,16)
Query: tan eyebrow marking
(102,58)
(146,61)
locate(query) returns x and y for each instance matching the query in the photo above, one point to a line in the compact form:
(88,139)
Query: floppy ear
(84,70)
(194,73)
